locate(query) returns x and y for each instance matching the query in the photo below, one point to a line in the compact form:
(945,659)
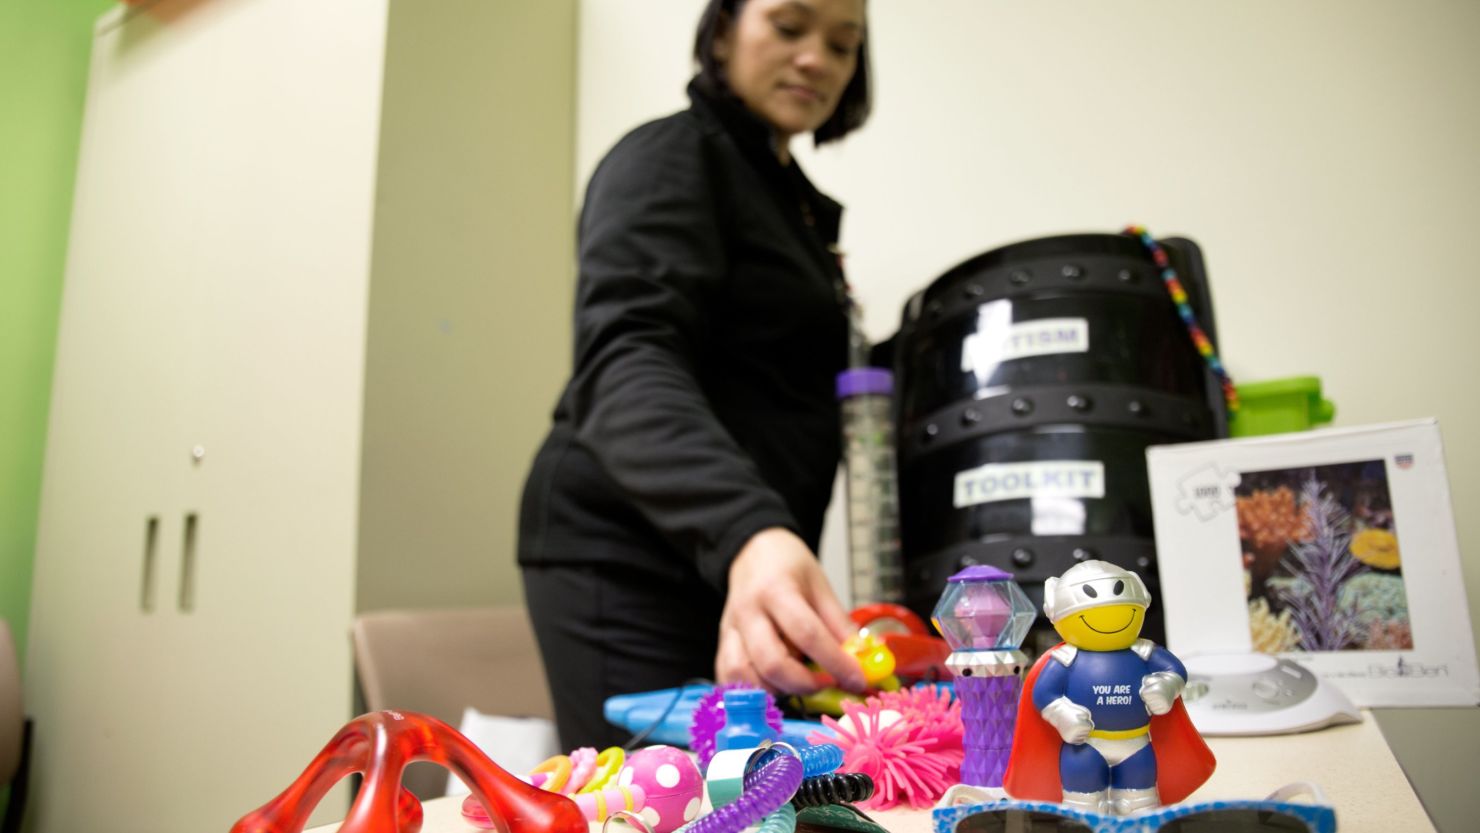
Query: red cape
(1183,760)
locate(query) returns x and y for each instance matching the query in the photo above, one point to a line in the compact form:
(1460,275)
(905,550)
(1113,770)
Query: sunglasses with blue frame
(1276,814)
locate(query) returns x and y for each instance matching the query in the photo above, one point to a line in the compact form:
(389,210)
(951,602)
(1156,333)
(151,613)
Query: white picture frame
(1258,543)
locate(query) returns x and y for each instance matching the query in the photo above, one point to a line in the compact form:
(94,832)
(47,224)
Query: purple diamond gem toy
(984,616)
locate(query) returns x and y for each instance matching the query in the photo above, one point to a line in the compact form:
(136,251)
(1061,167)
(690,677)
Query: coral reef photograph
(1322,567)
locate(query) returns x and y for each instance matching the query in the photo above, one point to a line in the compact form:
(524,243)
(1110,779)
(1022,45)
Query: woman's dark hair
(853,106)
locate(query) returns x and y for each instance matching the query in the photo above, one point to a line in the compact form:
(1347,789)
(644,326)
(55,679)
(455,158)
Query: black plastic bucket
(1032,378)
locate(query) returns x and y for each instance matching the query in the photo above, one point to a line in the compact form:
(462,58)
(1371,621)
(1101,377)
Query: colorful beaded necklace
(1179,297)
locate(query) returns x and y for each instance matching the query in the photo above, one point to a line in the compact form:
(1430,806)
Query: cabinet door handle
(187,563)
(151,547)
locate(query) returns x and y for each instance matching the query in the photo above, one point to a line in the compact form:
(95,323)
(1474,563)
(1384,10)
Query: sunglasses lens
(1236,821)
(1019,821)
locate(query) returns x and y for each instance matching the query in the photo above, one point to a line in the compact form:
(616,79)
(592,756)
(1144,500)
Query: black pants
(606,630)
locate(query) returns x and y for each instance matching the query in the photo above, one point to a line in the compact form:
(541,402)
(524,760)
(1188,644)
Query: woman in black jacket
(670,519)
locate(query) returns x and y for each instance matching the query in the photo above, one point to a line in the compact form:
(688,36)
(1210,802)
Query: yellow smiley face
(1106,628)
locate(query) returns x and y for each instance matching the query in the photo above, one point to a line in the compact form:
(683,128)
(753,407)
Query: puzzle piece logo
(1206,492)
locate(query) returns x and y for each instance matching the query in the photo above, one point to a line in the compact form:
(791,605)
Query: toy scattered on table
(552,774)
(724,777)
(750,785)
(895,650)
(781,820)
(380,745)
(671,784)
(670,715)
(583,770)
(875,658)
(584,775)
(822,785)
(984,615)
(582,767)
(933,710)
(822,796)
(834,788)
(908,742)
(1101,725)
(818,759)
(608,764)
(835,818)
(878,665)
(599,805)
(667,715)
(732,717)
(919,655)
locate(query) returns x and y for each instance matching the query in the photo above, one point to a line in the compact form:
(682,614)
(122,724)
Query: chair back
(438,662)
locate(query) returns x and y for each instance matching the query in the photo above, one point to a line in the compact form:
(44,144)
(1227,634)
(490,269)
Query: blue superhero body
(1108,683)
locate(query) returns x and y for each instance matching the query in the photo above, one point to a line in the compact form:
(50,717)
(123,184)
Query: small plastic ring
(608,764)
(558,768)
(630,817)
(788,747)
(763,753)
(582,767)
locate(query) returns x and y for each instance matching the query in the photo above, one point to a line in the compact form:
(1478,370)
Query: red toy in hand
(380,745)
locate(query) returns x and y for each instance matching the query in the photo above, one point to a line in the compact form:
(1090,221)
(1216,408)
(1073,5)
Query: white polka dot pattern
(670,781)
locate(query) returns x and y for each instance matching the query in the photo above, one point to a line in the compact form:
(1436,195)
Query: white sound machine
(1259,694)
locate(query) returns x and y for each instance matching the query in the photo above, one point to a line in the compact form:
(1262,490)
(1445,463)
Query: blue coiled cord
(817,759)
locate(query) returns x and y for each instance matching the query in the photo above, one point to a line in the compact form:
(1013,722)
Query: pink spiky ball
(908,742)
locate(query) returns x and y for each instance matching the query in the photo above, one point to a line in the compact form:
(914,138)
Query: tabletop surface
(1352,764)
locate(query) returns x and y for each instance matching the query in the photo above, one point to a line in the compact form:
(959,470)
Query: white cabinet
(279,360)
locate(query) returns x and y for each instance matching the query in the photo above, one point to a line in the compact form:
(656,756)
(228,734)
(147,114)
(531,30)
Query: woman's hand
(780,604)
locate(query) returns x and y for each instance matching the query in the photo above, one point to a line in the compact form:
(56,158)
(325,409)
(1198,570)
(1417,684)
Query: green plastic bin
(1279,406)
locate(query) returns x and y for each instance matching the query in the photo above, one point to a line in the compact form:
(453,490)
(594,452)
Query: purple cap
(981,572)
(856,381)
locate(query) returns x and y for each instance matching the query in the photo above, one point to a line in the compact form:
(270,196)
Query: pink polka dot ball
(672,783)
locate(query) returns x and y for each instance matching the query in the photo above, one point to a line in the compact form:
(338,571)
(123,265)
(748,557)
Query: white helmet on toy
(1092,584)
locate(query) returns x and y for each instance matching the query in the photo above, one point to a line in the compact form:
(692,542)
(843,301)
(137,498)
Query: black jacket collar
(757,140)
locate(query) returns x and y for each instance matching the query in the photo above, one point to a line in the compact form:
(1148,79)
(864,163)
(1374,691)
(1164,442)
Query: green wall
(43,78)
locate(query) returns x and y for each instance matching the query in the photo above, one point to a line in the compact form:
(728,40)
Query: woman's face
(790,60)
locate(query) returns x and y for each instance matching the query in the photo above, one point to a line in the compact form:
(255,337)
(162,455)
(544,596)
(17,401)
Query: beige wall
(1322,152)
(470,293)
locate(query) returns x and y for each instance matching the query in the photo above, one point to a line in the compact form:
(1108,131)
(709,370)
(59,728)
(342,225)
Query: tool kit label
(1041,479)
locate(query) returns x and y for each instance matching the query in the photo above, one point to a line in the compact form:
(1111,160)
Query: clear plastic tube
(866,402)
(783,820)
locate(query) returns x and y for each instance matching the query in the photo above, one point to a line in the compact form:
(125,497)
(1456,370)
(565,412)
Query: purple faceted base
(988,710)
